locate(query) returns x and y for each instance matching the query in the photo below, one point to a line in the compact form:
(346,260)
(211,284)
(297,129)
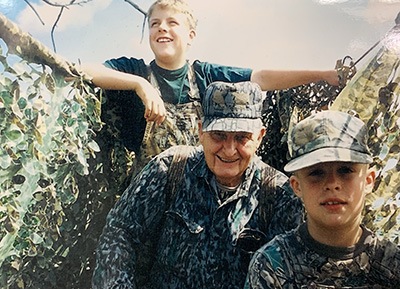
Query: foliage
(373,94)
(47,130)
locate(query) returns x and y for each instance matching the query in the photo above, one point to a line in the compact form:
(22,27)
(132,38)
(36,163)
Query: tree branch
(141,11)
(54,27)
(23,44)
(137,7)
(34,10)
(66,5)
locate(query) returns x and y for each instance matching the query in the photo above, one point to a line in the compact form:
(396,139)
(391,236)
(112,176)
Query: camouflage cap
(328,136)
(232,107)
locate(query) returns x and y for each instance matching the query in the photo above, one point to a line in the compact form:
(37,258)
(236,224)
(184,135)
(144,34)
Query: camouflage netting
(58,178)
(63,164)
(373,94)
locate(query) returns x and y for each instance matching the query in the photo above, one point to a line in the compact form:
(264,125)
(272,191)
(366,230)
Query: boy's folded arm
(107,78)
(282,79)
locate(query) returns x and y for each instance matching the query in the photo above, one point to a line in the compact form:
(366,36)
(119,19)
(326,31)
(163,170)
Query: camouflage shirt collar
(340,253)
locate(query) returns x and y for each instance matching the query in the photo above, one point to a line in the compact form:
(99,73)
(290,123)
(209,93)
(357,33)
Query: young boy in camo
(142,91)
(330,165)
(203,235)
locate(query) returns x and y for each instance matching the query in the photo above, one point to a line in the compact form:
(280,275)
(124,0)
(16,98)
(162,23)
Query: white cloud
(389,1)
(381,11)
(74,16)
(330,2)
(372,11)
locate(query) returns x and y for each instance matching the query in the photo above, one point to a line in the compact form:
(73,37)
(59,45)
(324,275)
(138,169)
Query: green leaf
(50,83)
(5,161)
(13,135)
(6,97)
(36,239)
(22,103)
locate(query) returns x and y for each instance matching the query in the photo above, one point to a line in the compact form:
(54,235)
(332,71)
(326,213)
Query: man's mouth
(226,160)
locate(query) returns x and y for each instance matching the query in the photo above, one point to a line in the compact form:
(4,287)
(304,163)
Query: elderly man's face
(228,154)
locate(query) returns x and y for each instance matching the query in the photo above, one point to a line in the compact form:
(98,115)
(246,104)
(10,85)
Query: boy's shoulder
(384,252)
(281,248)
(286,244)
(129,65)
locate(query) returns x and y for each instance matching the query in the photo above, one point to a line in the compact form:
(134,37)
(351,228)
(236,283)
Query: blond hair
(179,6)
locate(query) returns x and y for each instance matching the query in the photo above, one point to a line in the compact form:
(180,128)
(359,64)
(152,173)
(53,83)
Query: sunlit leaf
(50,83)
(38,136)
(390,164)
(36,239)
(94,146)
(5,161)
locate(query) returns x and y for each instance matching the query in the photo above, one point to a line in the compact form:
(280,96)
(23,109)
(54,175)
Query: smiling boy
(330,173)
(141,90)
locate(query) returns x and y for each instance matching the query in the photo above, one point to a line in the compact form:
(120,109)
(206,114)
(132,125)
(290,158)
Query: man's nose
(230,146)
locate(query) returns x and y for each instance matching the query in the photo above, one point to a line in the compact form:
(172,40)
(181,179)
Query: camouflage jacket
(195,242)
(296,260)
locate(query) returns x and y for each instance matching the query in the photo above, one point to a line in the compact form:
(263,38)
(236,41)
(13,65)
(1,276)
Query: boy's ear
(192,36)
(294,183)
(370,180)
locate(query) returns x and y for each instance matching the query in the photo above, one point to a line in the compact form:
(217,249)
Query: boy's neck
(171,65)
(337,237)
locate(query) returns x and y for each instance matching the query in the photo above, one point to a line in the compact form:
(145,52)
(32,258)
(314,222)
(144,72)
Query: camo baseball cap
(232,107)
(328,136)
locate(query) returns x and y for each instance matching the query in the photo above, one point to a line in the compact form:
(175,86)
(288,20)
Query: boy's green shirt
(174,87)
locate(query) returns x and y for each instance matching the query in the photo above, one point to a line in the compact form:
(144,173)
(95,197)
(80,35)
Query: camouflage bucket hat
(232,107)
(328,136)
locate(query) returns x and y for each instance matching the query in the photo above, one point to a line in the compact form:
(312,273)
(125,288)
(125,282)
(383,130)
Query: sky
(259,34)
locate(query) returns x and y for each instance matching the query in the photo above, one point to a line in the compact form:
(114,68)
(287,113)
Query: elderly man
(193,217)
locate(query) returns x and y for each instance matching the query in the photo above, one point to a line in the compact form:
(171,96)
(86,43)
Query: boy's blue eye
(345,170)
(316,172)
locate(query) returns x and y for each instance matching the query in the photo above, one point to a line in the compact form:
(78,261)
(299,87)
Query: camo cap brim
(325,155)
(232,125)
(328,136)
